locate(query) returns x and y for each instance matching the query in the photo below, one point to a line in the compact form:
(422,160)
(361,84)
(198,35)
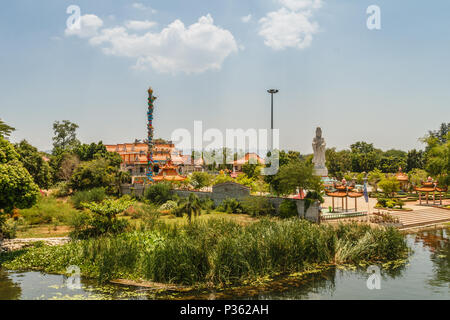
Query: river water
(426,275)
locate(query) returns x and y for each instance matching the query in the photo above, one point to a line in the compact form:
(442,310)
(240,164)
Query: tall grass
(217,251)
(48,210)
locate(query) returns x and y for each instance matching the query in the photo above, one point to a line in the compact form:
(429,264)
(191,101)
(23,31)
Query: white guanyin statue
(319,146)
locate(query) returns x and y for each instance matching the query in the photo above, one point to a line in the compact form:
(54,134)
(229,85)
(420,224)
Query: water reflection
(9,290)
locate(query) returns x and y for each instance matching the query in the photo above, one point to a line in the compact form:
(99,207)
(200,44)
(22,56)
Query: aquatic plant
(216,251)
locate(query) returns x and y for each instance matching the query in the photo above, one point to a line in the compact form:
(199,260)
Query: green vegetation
(216,252)
(17,188)
(288,209)
(230,205)
(257,206)
(199,180)
(159,193)
(34,162)
(48,210)
(85,196)
(5,130)
(389,185)
(102,219)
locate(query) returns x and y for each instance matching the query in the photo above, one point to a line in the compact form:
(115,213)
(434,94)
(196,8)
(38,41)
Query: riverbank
(215,253)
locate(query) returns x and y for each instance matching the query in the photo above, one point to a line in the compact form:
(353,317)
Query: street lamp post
(272,92)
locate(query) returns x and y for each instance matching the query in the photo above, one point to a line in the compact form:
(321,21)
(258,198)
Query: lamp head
(272,91)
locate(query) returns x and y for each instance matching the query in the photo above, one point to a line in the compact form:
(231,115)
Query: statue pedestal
(321,172)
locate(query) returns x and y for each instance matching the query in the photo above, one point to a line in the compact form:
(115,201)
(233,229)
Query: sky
(213,61)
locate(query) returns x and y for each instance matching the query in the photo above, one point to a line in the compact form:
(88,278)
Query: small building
(403,179)
(251,158)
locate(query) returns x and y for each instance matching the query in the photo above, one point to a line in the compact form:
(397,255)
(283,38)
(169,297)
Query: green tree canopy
(94,174)
(200,180)
(34,162)
(389,185)
(65,136)
(17,188)
(5,130)
(297,174)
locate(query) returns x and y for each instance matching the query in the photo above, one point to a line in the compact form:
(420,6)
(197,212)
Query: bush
(159,193)
(61,189)
(168,206)
(207,204)
(230,205)
(102,219)
(92,195)
(288,209)
(258,206)
(48,210)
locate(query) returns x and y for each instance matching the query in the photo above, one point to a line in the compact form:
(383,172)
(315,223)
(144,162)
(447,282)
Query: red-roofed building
(251,158)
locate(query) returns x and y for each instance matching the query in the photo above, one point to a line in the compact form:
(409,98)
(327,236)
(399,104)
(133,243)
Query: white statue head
(319,132)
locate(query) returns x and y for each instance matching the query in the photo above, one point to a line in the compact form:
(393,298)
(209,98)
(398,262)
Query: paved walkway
(422,216)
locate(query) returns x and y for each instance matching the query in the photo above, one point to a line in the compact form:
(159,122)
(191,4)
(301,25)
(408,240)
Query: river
(426,275)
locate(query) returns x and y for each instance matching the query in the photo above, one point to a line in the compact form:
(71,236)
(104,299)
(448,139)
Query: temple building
(134,157)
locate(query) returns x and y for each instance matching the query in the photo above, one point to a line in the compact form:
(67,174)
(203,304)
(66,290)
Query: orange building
(134,158)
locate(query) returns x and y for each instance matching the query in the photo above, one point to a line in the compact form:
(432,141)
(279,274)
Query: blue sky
(385,86)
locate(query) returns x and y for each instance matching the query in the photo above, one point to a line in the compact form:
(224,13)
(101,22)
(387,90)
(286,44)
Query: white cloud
(246,18)
(290,26)
(301,4)
(140,25)
(196,48)
(89,26)
(143,7)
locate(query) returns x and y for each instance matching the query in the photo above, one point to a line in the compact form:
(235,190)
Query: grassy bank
(215,252)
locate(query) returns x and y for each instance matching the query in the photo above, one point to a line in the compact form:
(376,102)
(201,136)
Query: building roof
(248,157)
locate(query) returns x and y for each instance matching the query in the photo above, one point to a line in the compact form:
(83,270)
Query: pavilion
(344,192)
(428,187)
(403,179)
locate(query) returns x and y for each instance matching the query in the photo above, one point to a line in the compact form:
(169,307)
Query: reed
(217,251)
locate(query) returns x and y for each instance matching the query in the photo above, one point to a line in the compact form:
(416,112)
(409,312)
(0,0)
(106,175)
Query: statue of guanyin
(319,154)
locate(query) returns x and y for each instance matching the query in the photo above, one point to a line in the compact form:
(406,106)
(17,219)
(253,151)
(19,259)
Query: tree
(94,174)
(17,188)
(438,159)
(68,162)
(159,193)
(191,206)
(222,178)
(389,185)
(391,164)
(65,135)
(200,180)
(375,177)
(338,162)
(88,152)
(251,170)
(362,147)
(414,160)
(417,176)
(103,219)
(442,133)
(297,174)
(5,130)
(34,162)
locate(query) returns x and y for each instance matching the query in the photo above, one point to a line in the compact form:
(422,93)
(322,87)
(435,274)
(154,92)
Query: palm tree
(191,206)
